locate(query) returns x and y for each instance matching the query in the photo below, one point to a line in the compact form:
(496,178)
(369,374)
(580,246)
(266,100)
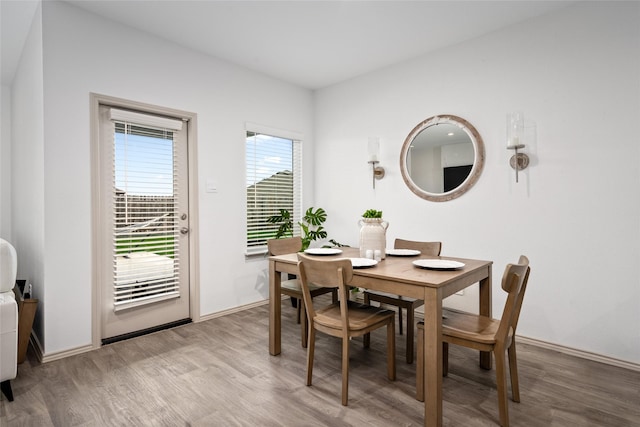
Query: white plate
(438,264)
(363,262)
(402,252)
(323,251)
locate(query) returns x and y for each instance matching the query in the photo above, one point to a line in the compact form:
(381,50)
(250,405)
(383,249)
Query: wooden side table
(26,312)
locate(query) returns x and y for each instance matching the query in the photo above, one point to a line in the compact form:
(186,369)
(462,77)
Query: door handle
(184,230)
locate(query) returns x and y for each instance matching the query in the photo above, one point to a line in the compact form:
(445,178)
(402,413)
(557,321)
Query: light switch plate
(212,186)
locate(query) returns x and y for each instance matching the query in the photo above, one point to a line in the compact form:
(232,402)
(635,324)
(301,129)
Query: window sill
(256,253)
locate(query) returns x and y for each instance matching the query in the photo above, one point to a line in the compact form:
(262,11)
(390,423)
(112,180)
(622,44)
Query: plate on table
(362,262)
(323,251)
(438,264)
(403,252)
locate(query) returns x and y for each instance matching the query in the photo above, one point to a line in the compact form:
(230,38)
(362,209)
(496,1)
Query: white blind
(273,182)
(145,228)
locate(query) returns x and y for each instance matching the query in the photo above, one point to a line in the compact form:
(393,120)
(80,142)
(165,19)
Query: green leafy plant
(311,225)
(335,244)
(286,223)
(372,213)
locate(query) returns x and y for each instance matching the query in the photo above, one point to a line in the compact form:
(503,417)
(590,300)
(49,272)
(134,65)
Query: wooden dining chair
(410,304)
(485,334)
(292,287)
(345,319)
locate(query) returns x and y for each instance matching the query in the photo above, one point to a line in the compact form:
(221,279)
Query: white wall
(83,53)
(5,163)
(27,167)
(575,212)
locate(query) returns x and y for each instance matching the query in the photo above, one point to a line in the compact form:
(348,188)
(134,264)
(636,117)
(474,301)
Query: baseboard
(45,358)
(566,350)
(37,347)
(234,310)
(580,353)
(525,340)
(50,357)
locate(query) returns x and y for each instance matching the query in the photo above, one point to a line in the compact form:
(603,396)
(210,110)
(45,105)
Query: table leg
(432,357)
(485,310)
(275,309)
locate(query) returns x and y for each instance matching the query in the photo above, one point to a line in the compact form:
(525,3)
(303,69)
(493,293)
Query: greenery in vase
(335,244)
(372,213)
(311,225)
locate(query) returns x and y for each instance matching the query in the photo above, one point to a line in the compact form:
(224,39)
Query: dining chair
(410,304)
(292,287)
(485,334)
(344,319)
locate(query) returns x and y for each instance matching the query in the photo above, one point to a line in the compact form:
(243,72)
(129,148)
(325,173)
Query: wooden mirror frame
(478,161)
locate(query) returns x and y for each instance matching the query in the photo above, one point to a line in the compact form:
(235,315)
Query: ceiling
(312,44)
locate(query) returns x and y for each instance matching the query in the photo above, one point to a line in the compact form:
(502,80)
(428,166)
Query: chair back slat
(514,282)
(325,272)
(425,248)
(335,273)
(284,246)
(516,314)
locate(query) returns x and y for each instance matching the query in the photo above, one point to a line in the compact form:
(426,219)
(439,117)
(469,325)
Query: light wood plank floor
(220,373)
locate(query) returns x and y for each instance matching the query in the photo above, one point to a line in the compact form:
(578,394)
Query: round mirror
(442,158)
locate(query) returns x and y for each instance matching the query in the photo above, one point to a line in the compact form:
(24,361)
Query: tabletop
(399,271)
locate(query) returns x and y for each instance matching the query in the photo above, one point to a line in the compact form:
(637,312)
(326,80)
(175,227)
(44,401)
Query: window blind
(145,228)
(273,182)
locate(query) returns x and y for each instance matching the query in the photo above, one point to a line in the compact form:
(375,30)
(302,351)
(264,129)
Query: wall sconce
(515,141)
(374,153)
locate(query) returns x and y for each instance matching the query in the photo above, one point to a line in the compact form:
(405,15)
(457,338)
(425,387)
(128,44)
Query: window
(273,181)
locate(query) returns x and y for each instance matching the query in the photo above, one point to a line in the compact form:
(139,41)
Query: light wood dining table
(399,276)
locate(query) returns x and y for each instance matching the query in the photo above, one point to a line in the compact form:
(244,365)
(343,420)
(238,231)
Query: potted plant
(311,225)
(372,213)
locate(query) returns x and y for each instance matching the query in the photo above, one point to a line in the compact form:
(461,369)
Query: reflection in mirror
(442,158)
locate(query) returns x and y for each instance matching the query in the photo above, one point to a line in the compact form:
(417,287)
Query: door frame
(97,216)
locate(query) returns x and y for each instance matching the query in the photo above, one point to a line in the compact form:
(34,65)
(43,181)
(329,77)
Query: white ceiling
(312,44)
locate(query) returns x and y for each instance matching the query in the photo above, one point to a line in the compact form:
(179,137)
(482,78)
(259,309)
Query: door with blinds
(145,226)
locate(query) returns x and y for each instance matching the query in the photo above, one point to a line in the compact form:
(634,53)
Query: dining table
(399,275)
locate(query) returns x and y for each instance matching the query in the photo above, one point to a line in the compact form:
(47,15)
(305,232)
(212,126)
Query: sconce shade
(374,154)
(516,141)
(374,149)
(515,130)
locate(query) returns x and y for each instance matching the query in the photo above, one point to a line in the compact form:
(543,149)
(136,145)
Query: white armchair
(8,318)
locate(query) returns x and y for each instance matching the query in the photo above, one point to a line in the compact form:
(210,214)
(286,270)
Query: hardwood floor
(219,373)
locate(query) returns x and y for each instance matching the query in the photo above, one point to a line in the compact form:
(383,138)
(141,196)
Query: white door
(144,279)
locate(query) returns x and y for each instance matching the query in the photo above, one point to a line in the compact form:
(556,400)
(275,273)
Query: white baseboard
(419,314)
(233,310)
(565,350)
(44,358)
(580,353)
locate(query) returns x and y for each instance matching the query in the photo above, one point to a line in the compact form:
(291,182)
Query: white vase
(373,236)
